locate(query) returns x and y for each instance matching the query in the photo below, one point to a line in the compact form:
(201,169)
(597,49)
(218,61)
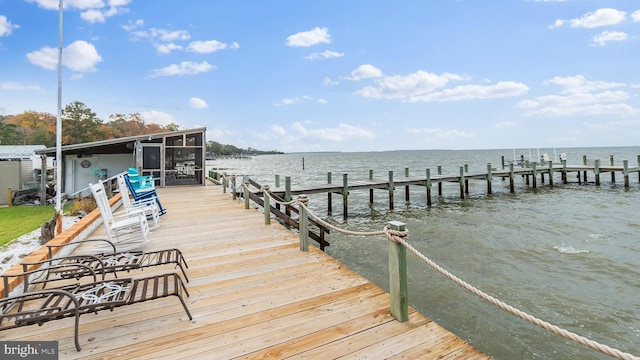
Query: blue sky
(335,75)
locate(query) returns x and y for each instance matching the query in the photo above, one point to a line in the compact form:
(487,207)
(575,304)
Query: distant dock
(533,173)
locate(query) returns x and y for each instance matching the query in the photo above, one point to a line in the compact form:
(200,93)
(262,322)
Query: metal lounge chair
(142,193)
(112,262)
(149,205)
(73,300)
(128,230)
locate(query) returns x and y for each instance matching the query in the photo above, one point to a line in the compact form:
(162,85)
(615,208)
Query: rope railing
(398,236)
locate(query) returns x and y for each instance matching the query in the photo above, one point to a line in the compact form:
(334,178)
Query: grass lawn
(20,220)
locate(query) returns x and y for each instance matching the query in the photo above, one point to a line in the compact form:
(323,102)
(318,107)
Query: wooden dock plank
(253,294)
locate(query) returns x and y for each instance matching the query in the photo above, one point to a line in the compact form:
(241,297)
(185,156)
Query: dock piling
(428,185)
(406,187)
(462,182)
(511,179)
(245,192)
(287,194)
(266,207)
(345,196)
(613,173)
(398,288)
(371,190)
(489,178)
(329,202)
(304,224)
(391,188)
(440,182)
(625,173)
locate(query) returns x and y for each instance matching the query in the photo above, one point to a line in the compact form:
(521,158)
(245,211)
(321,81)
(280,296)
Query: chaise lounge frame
(73,300)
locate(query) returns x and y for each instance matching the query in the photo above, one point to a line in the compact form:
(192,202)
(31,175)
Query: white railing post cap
(397,225)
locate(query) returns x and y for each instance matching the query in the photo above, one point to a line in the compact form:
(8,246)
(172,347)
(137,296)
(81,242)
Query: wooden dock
(532,173)
(254,295)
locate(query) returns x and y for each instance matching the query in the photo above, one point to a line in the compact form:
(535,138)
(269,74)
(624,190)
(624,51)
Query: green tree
(8,132)
(79,124)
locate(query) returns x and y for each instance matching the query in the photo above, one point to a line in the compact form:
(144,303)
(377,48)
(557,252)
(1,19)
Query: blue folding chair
(142,188)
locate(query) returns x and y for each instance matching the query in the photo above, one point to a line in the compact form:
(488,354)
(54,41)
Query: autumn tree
(128,125)
(79,124)
(34,128)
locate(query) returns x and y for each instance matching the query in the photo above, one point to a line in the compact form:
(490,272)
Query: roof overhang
(124,145)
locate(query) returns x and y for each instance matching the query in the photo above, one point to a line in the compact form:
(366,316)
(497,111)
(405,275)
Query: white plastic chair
(148,206)
(127,230)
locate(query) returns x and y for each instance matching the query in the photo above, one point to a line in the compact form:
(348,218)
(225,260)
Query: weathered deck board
(254,295)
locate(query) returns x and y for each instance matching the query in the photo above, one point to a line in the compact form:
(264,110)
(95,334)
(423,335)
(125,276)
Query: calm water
(568,254)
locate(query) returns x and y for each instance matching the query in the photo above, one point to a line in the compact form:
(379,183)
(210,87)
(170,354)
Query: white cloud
(167,48)
(627,125)
(506,124)
(14,86)
(579,96)
(580,84)
(324,55)
(184,68)
(165,40)
(158,117)
(79,4)
(78,56)
(470,92)
(285,101)
(606,36)
(167,35)
(309,38)
(365,71)
(412,85)
(291,101)
(443,133)
(217,133)
(636,16)
(342,132)
(197,103)
(598,18)
(210,46)
(6,27)
(327,81)
(93,11)
(133,25)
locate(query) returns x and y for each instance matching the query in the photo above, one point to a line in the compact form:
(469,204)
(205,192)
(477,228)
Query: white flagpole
(59,129)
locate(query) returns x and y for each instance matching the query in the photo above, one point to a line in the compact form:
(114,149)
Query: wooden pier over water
(533,174)
(254,295)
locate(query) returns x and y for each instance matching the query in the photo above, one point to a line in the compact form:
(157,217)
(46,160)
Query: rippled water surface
(567,254)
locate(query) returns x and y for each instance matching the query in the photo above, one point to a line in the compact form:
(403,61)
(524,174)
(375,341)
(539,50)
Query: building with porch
(172,158)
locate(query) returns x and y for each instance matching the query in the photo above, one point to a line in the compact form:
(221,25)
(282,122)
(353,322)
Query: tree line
(80,125)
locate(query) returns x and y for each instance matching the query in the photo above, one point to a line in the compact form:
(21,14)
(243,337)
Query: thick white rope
(398,236)
(607,350)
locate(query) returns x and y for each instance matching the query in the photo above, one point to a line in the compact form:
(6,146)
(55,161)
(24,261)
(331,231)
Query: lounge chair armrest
(45,270)
(70,261)
(50,247)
